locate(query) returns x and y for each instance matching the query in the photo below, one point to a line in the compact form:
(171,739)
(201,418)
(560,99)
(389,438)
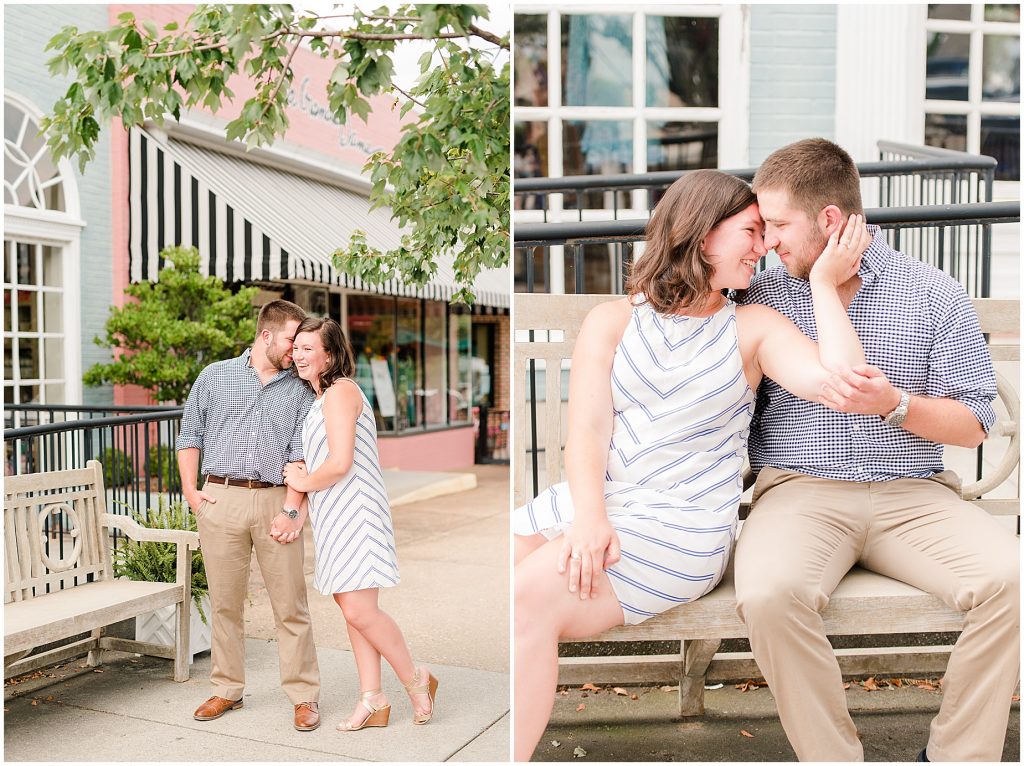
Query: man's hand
(196,498)
(862,390)
(286,530)
(295,474)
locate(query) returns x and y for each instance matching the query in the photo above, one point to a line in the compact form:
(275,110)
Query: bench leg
(181,645)
(696,658)
(95,656)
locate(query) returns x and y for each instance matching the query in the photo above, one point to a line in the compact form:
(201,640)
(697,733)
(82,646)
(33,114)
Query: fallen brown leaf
(870,685)
(1015,698)
(895,682)
(620,691)
(925,685)
(669,688)
(846,685)
(750,684)
(746,733)
(35,702)
(633,697)
(590,688)
(580,707)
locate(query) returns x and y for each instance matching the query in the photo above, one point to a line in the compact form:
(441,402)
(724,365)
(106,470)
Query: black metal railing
(908,177)
(134,444)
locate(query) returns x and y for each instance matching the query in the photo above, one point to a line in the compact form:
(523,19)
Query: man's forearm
(944,421)
(188,468)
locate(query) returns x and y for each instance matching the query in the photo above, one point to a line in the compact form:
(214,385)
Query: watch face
(291,514)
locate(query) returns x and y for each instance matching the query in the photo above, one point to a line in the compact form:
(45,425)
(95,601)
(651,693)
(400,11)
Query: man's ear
(831,220)
(266,336)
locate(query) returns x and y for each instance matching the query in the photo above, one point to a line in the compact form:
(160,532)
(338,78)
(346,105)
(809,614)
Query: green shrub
(157,562)
(117,468)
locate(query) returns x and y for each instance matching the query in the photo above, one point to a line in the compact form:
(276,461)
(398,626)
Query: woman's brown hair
(673,272)
(342,360)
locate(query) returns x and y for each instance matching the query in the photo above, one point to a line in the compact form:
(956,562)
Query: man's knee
(1000,583)
(772,601)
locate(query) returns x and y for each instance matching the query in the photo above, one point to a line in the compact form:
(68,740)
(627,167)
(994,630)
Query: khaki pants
(804,534)
(229,530)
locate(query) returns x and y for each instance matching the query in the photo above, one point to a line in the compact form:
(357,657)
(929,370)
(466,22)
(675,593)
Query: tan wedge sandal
(376,716)
(416,686)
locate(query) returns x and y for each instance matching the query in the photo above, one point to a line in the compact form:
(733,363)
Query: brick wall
(502,359)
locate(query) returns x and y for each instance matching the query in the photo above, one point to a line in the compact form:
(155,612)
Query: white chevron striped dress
(352,533)
(682,410)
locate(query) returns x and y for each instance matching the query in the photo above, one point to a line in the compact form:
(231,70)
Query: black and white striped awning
(253,222)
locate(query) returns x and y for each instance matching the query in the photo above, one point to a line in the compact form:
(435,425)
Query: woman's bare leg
(362,612)
(527,544)
(546,611)
(368,667)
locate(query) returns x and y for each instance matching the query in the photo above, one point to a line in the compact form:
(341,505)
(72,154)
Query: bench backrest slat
(555,322)
(77,497)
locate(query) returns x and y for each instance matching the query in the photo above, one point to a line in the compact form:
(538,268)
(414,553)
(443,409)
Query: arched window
(42,354)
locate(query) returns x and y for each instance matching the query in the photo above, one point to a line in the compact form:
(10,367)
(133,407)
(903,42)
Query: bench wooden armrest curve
(137,532)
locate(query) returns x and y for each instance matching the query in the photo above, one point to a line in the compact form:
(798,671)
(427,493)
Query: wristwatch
(291,513)
(898,415)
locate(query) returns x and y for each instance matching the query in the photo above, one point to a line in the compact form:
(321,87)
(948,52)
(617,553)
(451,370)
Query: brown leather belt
(247,483)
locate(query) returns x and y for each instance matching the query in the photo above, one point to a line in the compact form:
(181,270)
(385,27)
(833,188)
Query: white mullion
(39,314)
(555,202)
(974,80)
(638,197)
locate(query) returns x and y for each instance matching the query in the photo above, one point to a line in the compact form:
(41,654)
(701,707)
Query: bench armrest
(137,532)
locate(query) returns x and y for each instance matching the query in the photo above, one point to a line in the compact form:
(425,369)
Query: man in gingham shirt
(859,479)
(246,414)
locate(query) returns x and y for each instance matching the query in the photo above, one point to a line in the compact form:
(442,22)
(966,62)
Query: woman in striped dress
(660,400)
(352,534)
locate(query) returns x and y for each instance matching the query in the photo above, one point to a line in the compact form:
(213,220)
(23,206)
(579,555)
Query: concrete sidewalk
(739,726)
(452,606)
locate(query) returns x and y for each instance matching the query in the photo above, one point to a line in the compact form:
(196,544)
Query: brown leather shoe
(215,707)
(307,716)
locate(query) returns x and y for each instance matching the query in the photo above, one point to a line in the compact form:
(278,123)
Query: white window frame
(731,114)
(60,230)
(974,108)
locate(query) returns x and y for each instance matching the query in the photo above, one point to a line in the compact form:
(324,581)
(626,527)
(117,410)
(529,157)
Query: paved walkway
(452,605)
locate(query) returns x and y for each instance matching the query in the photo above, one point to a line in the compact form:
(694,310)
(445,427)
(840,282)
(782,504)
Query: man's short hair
(274,315)
(815,173)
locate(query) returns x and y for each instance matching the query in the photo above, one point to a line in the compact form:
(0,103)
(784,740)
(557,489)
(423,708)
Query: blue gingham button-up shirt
(245,430)
(918,326)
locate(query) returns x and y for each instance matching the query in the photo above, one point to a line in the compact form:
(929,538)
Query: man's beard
(277,359)
(811,252)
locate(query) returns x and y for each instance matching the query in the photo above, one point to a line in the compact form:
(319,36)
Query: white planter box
(157,627)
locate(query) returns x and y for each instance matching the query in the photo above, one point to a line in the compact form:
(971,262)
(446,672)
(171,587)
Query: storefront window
(435,394)
(371,330)
(408,389)
(460,372)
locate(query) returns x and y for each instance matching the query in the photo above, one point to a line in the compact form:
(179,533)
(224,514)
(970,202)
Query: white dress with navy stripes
(682,410)
(352,533)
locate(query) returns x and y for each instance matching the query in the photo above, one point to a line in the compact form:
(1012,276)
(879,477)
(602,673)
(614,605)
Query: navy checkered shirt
(246,430)
(918,326)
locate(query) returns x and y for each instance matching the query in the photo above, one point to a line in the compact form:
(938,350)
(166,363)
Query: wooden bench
(864,603)
(50,597)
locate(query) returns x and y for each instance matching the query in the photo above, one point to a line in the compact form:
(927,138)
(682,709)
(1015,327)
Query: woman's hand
(840,259)
(587,547)
(295,475)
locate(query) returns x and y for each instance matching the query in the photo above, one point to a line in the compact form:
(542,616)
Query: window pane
(1000,138)
(947,67)
(53,268)
(28,358)
(28,394)
(371,330)
(460,368)
(408,380)
(682,145)
(682,61)
(53,312)
(947,131)
(597,55)
(531,161)
(601,265)
(8,359)
(26,264)
(8,313)
(27,315)
(944,11)
(1009,13)
(531,52)
(597,147)
(54,348)
(435,393)
(1000,68)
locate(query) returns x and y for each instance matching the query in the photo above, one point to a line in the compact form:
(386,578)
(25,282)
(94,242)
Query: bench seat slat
(36,621)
